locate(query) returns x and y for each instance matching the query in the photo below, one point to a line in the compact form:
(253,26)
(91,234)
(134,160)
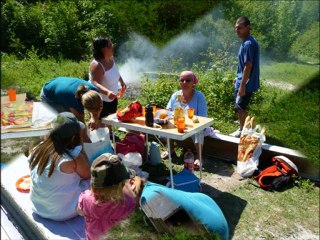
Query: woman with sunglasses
(190,98)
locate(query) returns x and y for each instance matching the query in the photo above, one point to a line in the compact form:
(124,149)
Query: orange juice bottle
(178,111)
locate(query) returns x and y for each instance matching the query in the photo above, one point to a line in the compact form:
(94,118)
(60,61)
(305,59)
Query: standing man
(247,80)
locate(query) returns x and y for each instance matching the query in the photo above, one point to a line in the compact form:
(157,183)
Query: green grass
(270,215)
(29,75)
(290,72)
(250,211)
(292,118)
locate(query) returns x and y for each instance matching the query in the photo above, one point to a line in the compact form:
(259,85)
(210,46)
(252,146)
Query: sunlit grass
(29,75)
(294,73)
(272,215)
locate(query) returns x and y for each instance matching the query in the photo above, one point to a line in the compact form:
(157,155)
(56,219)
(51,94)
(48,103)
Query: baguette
(247,122)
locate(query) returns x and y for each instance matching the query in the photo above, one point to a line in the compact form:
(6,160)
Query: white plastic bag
(131,160)
(42,114)
(100,143)
(99,134)
(249,148)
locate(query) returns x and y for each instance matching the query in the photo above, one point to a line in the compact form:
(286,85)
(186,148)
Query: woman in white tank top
(104,74)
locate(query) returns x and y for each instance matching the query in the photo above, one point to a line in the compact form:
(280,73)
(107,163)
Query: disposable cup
(190,112)
(181,125)
(12,94)
(154,110)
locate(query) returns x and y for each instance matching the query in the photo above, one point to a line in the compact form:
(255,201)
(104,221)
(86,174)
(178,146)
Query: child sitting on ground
(60,170)
(113,195)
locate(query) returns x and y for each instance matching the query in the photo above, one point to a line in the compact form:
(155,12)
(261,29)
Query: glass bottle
(178,111)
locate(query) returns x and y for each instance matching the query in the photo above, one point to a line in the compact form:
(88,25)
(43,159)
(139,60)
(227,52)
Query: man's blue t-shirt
(249,52)
(61,90)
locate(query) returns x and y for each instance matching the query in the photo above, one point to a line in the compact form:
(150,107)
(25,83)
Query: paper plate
(23,184)
(169,113)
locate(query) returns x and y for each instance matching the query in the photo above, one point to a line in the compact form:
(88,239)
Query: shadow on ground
(232,206)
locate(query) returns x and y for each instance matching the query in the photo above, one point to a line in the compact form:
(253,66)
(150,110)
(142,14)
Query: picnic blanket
(16,114)
(23,114)
(19,205)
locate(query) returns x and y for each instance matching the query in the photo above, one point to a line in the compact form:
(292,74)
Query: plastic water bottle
(189,160)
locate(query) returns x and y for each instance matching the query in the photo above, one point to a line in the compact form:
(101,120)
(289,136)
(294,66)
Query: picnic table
(168,131)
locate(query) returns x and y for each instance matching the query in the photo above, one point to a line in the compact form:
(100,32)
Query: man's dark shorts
(241,102)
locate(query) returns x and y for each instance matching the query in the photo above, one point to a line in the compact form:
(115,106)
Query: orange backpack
(278,175)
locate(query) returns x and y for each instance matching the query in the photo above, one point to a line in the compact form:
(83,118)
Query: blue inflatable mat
(198,205)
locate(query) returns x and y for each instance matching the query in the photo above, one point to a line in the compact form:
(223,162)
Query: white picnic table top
(166,131)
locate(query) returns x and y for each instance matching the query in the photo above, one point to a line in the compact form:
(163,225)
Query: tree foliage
(276,24)
(67,28)
(306,46)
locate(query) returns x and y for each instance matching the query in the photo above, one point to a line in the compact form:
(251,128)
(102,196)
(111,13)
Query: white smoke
(149,57)
(140,55)
(137,52)
(132,70)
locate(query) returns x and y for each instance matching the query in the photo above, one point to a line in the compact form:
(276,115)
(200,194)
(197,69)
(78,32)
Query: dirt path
(219,176)
(281,85)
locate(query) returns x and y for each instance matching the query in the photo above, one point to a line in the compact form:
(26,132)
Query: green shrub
(159,91)
(306,46)
(216,85)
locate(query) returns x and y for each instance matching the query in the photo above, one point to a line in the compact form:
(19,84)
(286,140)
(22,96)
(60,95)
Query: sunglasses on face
(185,80)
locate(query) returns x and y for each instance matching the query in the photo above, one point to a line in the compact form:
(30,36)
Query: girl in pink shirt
(112,197)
